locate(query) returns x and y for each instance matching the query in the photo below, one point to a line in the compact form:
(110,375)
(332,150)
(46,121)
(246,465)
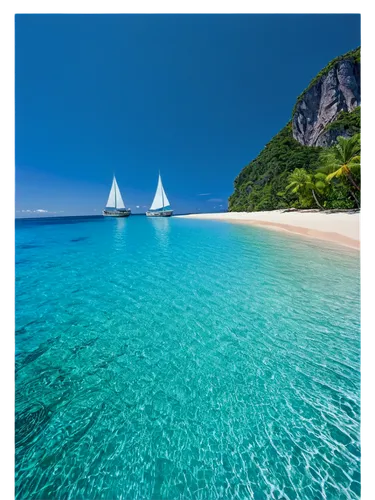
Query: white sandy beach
(341,228)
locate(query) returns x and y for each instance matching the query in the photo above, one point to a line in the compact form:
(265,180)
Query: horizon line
(96,215)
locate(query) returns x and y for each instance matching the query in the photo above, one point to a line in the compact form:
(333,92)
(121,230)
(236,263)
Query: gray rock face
(338,90)
(329,137)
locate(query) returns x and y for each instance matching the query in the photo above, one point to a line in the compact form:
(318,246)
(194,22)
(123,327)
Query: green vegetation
(342,163)
(306,186)
(348,122)
(257,186)
(266,182)
(354,55)
(336,184)
(286,174)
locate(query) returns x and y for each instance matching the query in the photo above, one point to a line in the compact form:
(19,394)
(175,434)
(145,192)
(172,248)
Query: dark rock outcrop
(337,90)
(329,137)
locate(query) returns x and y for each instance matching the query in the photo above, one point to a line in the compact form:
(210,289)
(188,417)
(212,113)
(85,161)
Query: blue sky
(196,96)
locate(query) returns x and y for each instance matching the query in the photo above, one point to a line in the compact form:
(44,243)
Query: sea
(172,358)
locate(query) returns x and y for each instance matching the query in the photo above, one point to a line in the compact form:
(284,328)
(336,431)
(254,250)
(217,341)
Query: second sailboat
(160,206)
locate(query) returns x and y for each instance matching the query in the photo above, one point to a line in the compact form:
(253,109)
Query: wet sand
(341,228)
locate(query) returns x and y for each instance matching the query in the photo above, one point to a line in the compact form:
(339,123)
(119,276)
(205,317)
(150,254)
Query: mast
(114,178)
(162,191)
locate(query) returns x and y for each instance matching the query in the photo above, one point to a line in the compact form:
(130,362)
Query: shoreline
(341,228)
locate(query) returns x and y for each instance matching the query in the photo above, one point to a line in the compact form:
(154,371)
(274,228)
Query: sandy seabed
(340,227)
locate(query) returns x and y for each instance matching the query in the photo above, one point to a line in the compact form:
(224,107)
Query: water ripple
(180,359)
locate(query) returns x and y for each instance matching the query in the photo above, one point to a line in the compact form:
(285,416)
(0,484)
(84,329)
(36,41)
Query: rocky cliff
(337,89)
(328,108)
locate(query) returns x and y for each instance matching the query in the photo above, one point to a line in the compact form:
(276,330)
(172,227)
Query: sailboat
(160,206)
(115,203)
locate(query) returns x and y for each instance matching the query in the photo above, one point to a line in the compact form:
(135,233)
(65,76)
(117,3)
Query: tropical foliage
(258,184)
(347,122)
(342,163)
(306,186)
(337,180)
(286,174)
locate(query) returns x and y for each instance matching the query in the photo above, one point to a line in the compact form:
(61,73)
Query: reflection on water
(120,230)
(162,228)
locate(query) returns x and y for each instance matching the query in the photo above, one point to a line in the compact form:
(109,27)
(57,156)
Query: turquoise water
(184,359)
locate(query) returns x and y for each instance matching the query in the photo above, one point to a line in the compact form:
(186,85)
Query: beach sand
(341,228)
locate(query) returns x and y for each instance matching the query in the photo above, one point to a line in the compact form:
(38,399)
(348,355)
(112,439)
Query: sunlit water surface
(184,359)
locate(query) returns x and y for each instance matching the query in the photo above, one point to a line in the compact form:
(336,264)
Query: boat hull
(166,213)
(116,213)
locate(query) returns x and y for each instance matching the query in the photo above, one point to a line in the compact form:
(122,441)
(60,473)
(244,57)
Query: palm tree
(322,184)
(343,159)
(301,182)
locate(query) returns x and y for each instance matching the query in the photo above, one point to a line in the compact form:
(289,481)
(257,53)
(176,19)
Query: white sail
(119,200)
(160,199)
(115,198)
(112,195)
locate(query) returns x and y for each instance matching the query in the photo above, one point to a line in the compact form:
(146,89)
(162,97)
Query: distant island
(314,161)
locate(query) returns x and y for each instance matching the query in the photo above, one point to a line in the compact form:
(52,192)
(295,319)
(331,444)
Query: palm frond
(320,186)
(336,173)
(320,176)
(292,184)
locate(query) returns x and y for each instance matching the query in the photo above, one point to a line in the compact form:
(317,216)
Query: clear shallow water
(184,359)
